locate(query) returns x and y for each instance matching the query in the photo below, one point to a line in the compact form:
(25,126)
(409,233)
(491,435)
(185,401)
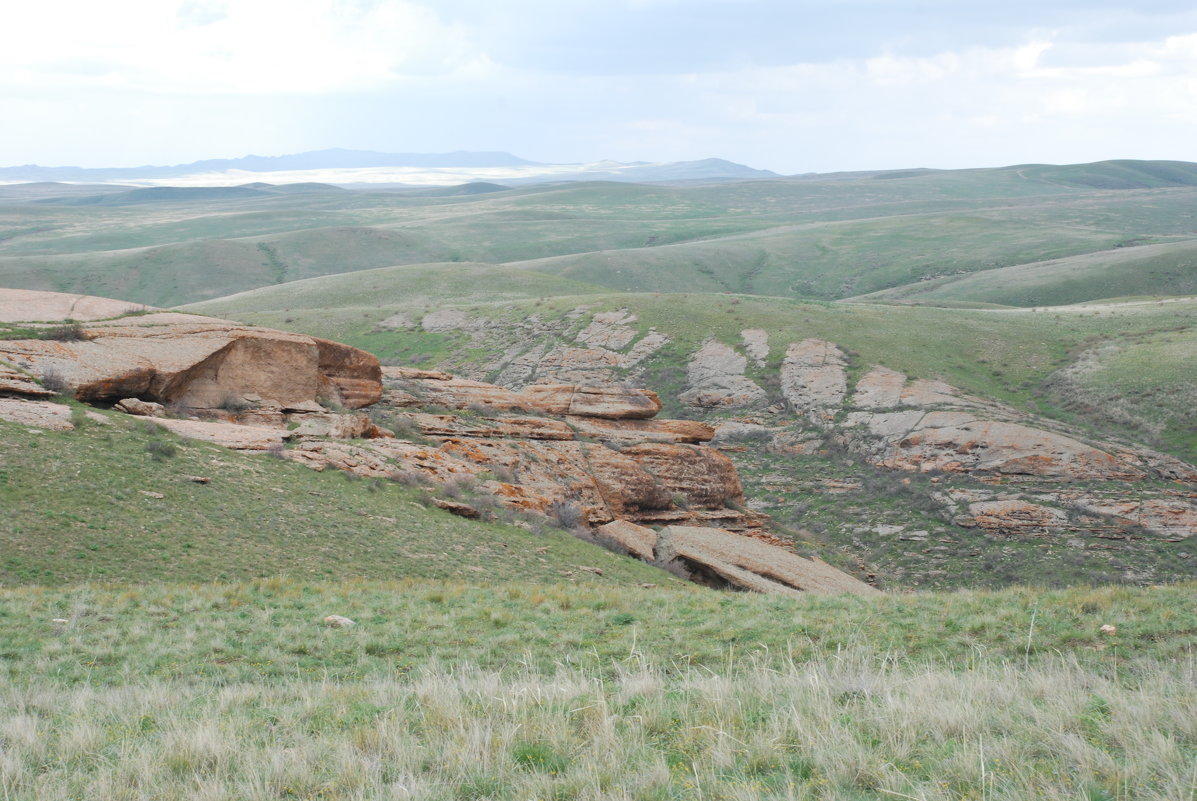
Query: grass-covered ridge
(446,691)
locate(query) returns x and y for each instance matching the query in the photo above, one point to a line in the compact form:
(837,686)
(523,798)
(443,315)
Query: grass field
(447,691)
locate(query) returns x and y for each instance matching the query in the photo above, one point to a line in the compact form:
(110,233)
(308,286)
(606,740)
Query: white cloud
(248,46)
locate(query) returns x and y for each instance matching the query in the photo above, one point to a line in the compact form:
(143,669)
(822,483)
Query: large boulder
(193,361)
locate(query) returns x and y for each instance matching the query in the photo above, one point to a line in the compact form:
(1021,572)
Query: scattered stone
(141,408)
(457,508)
(596,571)
(152,494)
(1109,630)
(199,479)
(339,622)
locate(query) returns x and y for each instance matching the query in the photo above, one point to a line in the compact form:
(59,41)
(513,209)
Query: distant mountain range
(355,167)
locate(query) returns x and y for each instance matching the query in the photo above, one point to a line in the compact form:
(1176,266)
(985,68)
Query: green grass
(821,238)
(83,505)
(1161,270)
(447,691)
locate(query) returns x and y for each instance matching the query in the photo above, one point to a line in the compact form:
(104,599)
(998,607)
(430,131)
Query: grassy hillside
(443,691)
(1147,270)
(118,503)
(827,238)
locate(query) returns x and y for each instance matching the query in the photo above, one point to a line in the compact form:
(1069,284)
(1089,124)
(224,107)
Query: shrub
(160,450)
(567,513)
(70,331)
(55,381)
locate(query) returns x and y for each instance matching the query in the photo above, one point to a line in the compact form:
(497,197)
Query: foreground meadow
(519,691)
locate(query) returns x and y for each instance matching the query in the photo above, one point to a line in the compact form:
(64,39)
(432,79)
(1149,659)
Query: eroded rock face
(14,382)
(962,442)
(813,378)
(198,362)
(756,344)
(612,403)
(715,379)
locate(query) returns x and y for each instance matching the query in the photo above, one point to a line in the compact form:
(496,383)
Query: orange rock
(616,403)
(443,426)
(681,431)
(703,476)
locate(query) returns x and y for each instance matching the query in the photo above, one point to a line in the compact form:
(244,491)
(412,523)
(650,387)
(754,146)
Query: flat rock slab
(230,435)
(26,305)
(754,565)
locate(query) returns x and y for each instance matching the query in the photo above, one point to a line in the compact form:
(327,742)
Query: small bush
(55,381)
(160,450)
(567,513)
(70,331)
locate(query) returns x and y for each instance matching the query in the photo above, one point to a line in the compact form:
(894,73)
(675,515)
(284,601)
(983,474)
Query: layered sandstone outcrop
(186,360)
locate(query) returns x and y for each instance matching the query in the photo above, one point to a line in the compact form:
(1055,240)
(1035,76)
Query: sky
(788,85)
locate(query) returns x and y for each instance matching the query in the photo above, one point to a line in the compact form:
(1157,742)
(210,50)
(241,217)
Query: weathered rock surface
(230,435)
(813,378)
(713,555)
(963,442)
(631,431)
(14,382)
(199,362)
(140,408)
(613,403)
(36,414)
(639,541)
(756,344)
(609,330)
(715,379)
(26,305)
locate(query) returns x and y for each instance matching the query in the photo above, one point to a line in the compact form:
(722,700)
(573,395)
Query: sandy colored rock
(962,442)
(615,403)
(756,344)
(609,330)
(883,388)
(703,476)
(337,426)
(36,414)
(25,305)
(457,508)
(451,392)
(715,378)
(633,431)
(1173,518)
(140,408)
(1016,517)
(230,435)
(626,487)
(444,426)
(639,541)
(197,362)
(348,375)
(14,382)
(751,564)
(813,378)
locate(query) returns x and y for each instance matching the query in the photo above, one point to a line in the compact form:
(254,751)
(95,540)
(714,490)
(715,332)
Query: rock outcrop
(813,380)
(715,379)
(189,361)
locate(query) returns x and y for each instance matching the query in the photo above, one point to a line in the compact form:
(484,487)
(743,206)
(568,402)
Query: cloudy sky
(789,85)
